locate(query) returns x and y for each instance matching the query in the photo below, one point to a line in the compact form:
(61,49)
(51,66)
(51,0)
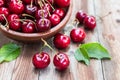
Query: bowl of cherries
(31,20)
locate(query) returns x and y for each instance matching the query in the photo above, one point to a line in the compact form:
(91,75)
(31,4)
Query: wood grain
(107,33)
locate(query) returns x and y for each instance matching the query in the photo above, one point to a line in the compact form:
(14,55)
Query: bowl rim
(39,34)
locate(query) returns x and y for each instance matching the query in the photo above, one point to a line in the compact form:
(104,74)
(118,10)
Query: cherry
(61,61)
(41,13)
(28,26)
(47,7)
(14,22)
(55,19)
(43,25)
(41,60)
(77,35)
(16,7)
(5,12)
(31,10)
(1,3)
(28,1)
(81,16)
(62,3)
(90,22)
(61,41)
(60,12)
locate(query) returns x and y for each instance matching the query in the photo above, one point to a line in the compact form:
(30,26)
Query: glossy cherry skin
(77,35)
(14,22)
(55,19)
(1,3)
(90,22)
(61,61)
(60,12)
(43,25)
(61,41)
(81,16)
(41,13)
(28,26)
(62,3)
(16,7)
(41,60)
(31,10)
(4,11)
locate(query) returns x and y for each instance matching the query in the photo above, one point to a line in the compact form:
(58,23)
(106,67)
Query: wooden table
(107,33)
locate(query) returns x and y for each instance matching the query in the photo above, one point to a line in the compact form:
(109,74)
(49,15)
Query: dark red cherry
(41,60)
(14,22)
(81,16)
(1,3)
(61,41)
(28,26)
(61,61)
(28,1)
(62,3)
(43,25)
(3,11)
(31,10)
(77,35)
(41,13)
(90,22)
(55,19)
(16,7)
(60,12)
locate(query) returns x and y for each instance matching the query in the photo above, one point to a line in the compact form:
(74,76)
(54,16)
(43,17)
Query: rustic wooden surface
(107,33)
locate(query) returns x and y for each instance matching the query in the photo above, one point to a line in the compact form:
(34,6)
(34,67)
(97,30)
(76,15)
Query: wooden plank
(108,31)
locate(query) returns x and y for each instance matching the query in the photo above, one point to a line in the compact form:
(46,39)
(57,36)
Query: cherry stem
(31,3)
(75,23)
(28,15)
(50,5)
(6,25)
(46,44)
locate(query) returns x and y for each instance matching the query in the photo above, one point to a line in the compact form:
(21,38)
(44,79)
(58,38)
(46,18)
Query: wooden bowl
(35,37)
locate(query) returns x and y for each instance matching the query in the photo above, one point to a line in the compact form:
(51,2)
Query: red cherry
(28,26)
(41,60)
(61,41)
(41,13)
(60,12)
(90,22)
(5,12)
(81,16)
(14,22)
(16,7)
(28,1)
(43,25)
(62,3)
(61,61)
(31,10)
(77,35)
(55,19)
(47,7)
(1,3)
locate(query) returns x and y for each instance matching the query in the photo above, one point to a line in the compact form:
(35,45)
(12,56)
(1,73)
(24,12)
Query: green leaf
(9,52)
(96,50)
(81,55)
(91,50)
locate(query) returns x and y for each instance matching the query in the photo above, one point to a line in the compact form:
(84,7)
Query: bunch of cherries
(30,16)
(62,41)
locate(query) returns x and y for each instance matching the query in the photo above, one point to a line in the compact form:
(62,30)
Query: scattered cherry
(60,12)
(43,25)
(80,16)
(77,35)
(62,3)
(55,19)
(61,61)
(41,60)
(61,41)
(90,22)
